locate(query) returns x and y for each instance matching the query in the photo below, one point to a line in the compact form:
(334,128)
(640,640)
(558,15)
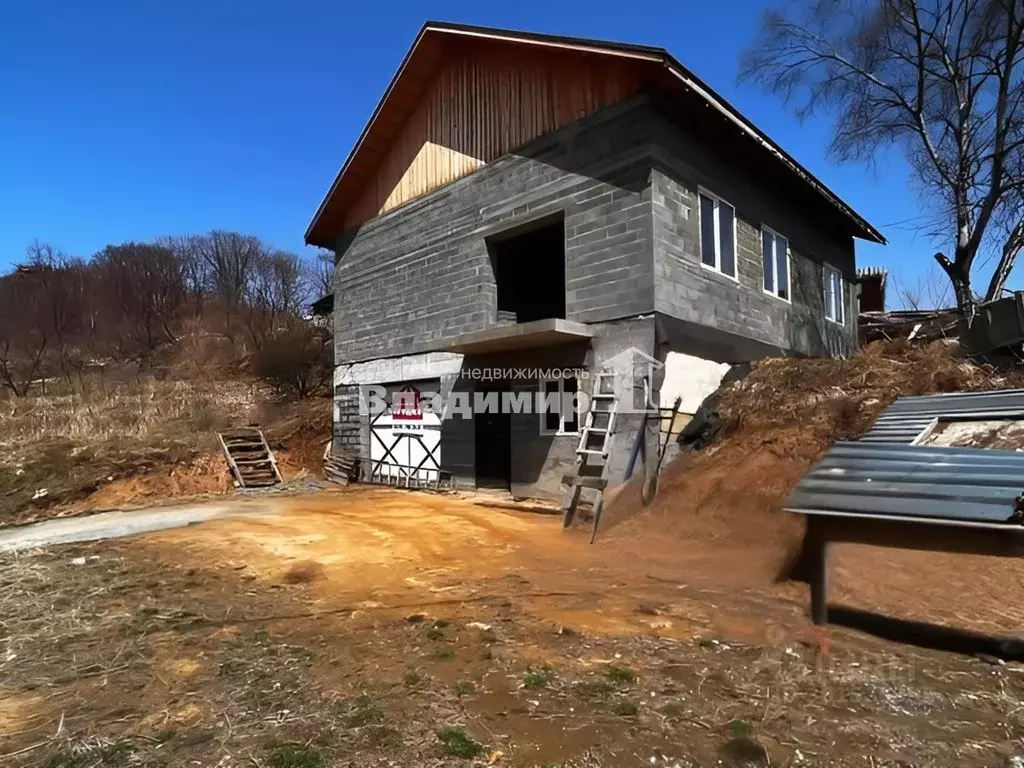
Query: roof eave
(319,241)
(863,229)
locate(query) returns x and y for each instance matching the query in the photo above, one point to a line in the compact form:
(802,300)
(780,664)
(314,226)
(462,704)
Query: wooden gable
(464,96)
(485,100)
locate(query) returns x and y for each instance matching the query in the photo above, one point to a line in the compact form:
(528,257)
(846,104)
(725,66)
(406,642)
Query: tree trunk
(1011,249)
(961,280)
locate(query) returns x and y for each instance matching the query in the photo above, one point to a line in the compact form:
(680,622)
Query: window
(835,305)
(560,412)
(529,270)
(775,259)
(717,234)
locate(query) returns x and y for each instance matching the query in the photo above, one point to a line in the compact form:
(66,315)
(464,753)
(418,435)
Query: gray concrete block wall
(625,181)
(611,342)
(458,439)
(538,461)
(421,274)
(687,290)
(348,437)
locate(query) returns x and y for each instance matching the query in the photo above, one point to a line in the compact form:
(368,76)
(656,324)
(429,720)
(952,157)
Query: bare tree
(323,273)
(277,289)
(188,253)
(58,284)
(931,291)
(144,296)
(297,359)
(939,79)
(24,330)
(228,259)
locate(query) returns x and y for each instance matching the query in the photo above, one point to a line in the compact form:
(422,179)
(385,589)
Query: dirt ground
(381,627)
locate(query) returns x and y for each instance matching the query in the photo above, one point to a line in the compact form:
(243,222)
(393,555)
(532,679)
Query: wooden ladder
(591,468)
(250,458)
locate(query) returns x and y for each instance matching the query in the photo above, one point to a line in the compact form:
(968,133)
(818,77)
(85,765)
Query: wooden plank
(596,483)
(231,461)
(249,456)
(270,455)
(479,106)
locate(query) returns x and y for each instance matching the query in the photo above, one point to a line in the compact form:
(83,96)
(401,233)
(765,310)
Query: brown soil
(201,477)
(777,422)
(354,625)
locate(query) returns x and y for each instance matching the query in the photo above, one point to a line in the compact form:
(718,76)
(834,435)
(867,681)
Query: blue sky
(131,119)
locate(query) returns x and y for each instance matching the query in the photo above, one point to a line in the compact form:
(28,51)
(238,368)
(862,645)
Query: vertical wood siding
(486,101)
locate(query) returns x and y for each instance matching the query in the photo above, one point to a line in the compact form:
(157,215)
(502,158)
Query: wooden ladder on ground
(250,458)
(591,469)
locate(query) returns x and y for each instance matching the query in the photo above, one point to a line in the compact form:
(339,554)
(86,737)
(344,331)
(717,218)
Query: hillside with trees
(116,370)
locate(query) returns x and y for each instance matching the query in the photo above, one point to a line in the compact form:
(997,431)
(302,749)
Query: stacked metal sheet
(886,474)
(907,419)
(857,478)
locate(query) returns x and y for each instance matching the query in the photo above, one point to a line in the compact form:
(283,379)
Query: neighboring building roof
(418,68)
(323,306)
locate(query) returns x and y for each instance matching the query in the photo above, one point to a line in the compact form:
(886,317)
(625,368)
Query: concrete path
(113,525)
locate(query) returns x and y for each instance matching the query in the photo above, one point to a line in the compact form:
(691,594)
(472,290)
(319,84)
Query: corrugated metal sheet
(909,417)
(968,484)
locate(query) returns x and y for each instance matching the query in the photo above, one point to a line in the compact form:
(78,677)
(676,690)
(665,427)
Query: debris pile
(341,469)
(921,325)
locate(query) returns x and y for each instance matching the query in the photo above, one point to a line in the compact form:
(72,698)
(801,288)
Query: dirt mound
(776,422)
(203,476)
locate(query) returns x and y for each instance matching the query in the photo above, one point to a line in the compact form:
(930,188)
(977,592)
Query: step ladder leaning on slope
(590,471)
(251,461)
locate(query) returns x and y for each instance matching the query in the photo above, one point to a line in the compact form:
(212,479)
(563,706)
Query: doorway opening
(493,441)
(529,270)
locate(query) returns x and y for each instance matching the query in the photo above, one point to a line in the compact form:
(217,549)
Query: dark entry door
(493,433)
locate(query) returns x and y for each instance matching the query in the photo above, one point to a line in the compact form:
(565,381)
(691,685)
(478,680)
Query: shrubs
(297,360)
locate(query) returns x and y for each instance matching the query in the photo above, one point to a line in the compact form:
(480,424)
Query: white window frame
(544,430)
(775,265)
(827,272)
(717,268)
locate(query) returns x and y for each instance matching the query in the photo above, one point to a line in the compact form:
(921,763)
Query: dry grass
(99,443)
(93,409)
(840,399)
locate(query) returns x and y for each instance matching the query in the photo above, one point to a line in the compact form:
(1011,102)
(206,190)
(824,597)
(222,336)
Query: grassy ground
(144,653)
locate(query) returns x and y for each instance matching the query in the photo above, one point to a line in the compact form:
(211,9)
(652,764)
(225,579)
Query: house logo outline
(635,372)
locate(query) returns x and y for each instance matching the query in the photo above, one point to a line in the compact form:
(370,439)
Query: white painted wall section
(431,365)
(691,378)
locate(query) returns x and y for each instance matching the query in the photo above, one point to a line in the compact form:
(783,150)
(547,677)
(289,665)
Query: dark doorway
(529,270)
(493,437)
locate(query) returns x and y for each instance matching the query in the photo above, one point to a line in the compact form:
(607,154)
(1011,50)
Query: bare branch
(941,80)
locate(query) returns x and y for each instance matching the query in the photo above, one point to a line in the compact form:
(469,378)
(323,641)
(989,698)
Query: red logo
(405,405)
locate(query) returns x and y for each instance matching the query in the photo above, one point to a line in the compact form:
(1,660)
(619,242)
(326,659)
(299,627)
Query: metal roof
(910,418)
(653,56)
(872,479)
